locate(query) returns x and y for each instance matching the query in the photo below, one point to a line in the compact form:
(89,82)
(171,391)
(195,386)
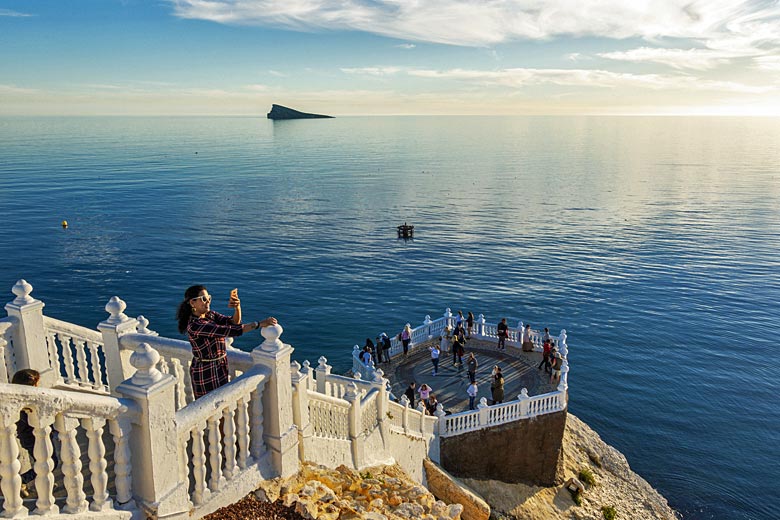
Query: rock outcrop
(615,485)
(280,112)
(447,488)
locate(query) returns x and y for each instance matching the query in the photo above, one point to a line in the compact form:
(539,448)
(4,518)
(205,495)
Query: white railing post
(117,324)
(405,418)
(563,348)
(448,318)
(380,383)
(523,398)
(481,325)
(427,322)
(29,337)
(357,365)
(484,412)
(154,442)
(279,431)
(323,371)
(10,481)
(440,414)
(301,407)
(352,397)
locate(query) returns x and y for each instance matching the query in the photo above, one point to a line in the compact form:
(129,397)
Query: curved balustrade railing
(76,354)
(329,416)
(60,418)
(224,432)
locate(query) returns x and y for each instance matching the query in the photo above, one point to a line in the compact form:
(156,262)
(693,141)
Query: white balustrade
(7,350)
(329,416)
(78,351)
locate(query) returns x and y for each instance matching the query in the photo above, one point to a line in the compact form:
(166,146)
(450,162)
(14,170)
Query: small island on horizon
(281,112)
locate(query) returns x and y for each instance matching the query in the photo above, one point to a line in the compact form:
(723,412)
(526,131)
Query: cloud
(257,87)
(277,73)
(372,71)
(406,46)
(768,63)
(523,77)
(13,89)
(716,24)
(13,14)
(696,59)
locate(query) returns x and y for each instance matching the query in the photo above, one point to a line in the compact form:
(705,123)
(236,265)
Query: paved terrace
(449,386)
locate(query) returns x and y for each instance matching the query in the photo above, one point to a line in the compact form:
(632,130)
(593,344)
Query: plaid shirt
(209,368)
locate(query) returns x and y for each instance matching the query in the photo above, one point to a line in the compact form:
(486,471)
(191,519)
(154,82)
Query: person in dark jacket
(410,393)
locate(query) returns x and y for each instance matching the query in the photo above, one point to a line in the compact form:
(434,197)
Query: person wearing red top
(207,331)
(546,356)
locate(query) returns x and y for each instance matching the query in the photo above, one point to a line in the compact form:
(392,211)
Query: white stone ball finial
(306,367)
(116,308)
(427,320)
(523,394)
(482,403)
(356,376)
(447,313)
(351,393)
(22,291)
(271,334)
(439,411)
(295,366)
(405,401)
(379,376)
(322,363)
(145,360)
(143,326)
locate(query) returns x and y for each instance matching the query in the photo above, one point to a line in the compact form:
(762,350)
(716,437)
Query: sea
(653,241)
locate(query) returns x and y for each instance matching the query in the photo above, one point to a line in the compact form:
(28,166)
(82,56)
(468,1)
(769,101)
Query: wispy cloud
(257,87)
(769,63)
(523,77)
(13,14)
(406,46)
(696,59)
(277,73)
(13,89)
(373,71)
(716,24)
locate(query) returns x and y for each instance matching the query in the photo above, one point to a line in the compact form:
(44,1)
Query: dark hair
(184,312)
(27,376)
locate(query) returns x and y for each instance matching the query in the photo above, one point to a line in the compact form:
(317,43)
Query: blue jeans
(435,362)
(471,402)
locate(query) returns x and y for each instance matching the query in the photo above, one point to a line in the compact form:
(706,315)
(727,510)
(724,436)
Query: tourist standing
(431,404)
(472,392)
(425,392)
(472,365)
(460,330)
(410,393)
(444,341)
(528,343)
(470,323)
(546,351)
(547,336)
(497,386)
(435,352)
(386,346)
(365,357)
(406,338)
(460,319)
(458,349)
(502,332)
(207,331)
(557,363)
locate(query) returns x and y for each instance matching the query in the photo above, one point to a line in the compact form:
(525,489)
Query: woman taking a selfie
(207,331)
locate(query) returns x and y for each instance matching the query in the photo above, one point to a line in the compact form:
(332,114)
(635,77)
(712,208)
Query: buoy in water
(64,224)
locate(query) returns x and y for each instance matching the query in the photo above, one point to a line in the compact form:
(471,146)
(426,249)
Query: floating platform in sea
(405,231)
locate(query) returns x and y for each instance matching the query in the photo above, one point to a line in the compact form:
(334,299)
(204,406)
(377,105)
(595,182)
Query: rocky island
(281,112)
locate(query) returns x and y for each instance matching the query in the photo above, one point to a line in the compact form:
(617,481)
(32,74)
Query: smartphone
(234,293)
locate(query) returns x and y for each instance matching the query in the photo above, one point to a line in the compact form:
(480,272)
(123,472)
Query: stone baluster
(201,491)
(71,464)
(44,464)
(10,481)
(523,398)
(323,371)
(228,419)
(242,430)
(81,361)
(380,383)
(215,453)
(97,463)
(405,418)
(120,429)
(154,441)
(67,358)
(4,358)
(428,327)
(279,431)
(29,336)
(256,437)
(118,366)
(94,358)
(563,348)
(481,325)
(484,412)
(301,416)
(353,398)
(448,322)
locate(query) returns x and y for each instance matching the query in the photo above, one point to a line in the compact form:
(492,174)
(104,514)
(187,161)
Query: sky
(390,57)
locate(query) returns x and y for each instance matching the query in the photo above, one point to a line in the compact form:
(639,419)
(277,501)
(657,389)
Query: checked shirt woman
(207,330)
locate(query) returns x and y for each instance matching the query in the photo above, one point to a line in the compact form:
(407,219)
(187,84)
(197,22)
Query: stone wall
(527,451)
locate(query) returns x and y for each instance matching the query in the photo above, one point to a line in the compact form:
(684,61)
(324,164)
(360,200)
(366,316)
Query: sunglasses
(203,298)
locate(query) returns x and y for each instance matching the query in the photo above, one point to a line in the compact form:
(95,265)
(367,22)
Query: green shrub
(609,512)
(586,476)
(577,497)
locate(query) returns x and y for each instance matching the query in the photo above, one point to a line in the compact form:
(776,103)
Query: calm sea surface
(653,241)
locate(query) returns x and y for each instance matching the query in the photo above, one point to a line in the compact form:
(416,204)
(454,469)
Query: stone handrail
(85,370)
(523,408)
(231,419)
(70,415)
